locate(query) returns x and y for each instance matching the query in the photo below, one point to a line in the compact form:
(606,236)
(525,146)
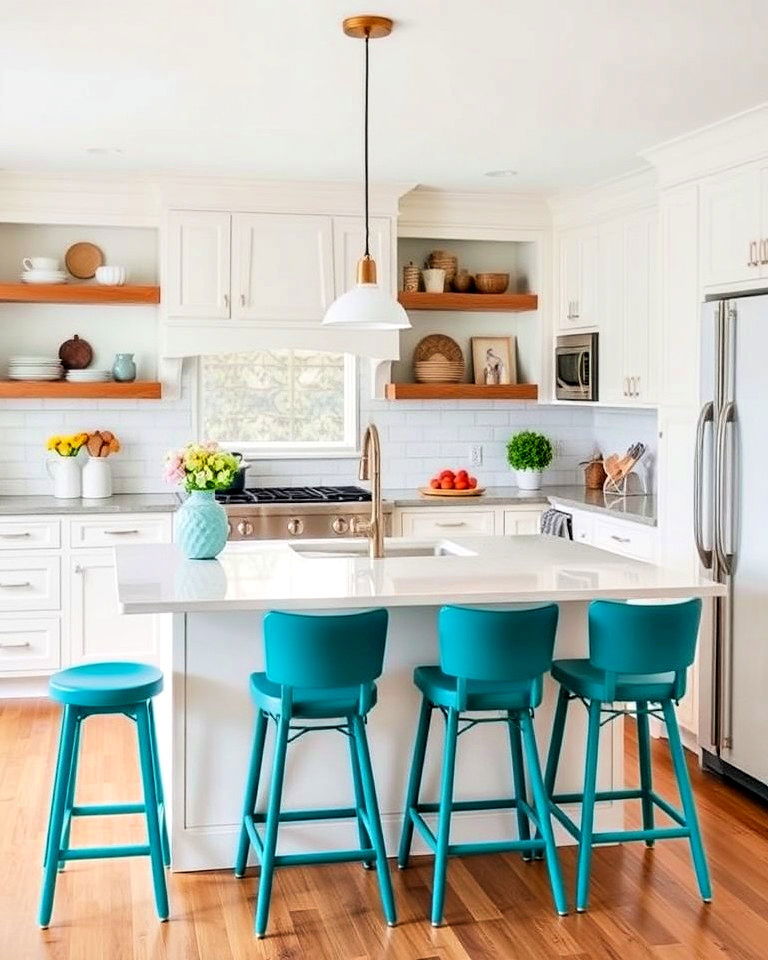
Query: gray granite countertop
(119,503)
(638,509)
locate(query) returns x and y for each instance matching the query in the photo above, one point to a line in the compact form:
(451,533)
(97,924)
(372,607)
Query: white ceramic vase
(97,478)
(66,475)
(529,479)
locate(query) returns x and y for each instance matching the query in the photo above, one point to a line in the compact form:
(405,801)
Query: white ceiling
(563,91)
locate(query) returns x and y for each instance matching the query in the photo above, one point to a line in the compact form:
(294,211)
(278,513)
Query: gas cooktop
(263,495)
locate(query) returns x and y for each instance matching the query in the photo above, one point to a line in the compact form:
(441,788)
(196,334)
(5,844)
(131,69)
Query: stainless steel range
(285,513)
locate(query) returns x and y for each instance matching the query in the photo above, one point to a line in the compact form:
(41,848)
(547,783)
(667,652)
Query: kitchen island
(214,642)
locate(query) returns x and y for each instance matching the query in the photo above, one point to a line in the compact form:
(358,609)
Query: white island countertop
(257,575)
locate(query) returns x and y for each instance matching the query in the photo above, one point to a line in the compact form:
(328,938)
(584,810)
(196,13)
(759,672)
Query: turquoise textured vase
(201,526)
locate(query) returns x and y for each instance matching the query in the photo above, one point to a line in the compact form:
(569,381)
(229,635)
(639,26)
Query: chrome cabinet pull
(707,415)
(226,300)
(18,583)
(120,533)
(618,539)
(753,260)
(10,644)
(242,299)
(15,536)
(450,523)
(764,251)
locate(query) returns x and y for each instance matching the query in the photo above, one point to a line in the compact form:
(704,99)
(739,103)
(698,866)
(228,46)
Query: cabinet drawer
(29,583)
(522,522)
(445,523)
(583,528)
(627,539)
(27,645)
(112,531)
(30,534)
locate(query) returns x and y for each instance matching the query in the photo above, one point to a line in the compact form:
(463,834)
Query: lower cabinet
(521,522)
(466,521)
(29,644)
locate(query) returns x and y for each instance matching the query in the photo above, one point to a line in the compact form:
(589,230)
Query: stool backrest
(503,646)
(626,638)
(317,650)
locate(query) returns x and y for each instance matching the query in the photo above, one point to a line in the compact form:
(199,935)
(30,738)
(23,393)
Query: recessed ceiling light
(501,173)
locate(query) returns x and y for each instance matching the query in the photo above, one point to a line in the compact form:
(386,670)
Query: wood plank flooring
(644,903)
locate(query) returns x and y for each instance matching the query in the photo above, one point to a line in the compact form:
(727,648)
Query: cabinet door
(730,226)
(197,280)
(568,255)
(349,245)
(763,249)
(451,522)
(612,382)
(521,522)
(640,253)
(587,314)
(283,267)
(97,630)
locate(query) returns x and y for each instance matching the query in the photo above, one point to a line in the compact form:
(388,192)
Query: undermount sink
(351,549)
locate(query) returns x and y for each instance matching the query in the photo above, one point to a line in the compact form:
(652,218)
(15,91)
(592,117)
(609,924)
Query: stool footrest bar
(107,809)
(670,811)
(628,836)
(103,853)
(293,816)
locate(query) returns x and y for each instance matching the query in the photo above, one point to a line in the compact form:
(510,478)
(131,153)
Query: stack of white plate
(44,276)
(34,368)
(89,376)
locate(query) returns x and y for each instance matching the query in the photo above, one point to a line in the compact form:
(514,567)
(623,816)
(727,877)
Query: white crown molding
(734,140)
(423,208)
(604,200)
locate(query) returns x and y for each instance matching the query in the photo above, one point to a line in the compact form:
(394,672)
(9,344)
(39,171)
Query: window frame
(290,450)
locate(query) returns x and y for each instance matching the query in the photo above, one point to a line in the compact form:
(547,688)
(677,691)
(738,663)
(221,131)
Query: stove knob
(295,527)
(229,530)
(340,525)
(245,528)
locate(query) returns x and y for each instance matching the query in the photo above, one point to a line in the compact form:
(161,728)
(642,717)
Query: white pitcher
(65,473)
(97,478)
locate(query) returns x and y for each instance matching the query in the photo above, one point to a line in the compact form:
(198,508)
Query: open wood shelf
(77,293)
(461,391)
(497,302)
(60,389)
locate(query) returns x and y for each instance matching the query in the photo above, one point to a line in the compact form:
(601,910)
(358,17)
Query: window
(280,402)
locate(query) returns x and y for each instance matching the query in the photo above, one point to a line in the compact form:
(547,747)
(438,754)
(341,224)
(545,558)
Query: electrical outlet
(476,455)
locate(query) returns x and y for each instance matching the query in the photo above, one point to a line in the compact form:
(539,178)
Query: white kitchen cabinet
(578,271)
(612,373)
(349,245)
(29,582)
(197,276)
(282,267)
(448,522)
(29,644)
(29,534)
(625,537)
(731,244)
(521,522)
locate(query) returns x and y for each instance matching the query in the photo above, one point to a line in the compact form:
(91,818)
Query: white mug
(434,279)
(40,263)
(110,276)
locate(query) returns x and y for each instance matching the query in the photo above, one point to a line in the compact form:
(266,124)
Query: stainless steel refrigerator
(731,532)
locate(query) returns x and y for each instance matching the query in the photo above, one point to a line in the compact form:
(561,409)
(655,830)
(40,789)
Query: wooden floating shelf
(497,302)
(60,389)
(76,293)
(461,391)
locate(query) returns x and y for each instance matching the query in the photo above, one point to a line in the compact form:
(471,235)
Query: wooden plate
(438,343)
(75,354)
(431,492)
(82,259)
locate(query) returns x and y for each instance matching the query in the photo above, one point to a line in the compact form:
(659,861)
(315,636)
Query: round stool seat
(106,684)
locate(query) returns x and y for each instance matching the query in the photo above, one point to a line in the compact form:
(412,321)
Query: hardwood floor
(644,903)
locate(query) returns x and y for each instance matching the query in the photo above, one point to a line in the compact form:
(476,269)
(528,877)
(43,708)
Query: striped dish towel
(555,523)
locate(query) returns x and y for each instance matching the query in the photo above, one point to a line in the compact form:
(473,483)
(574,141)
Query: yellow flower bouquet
(67,445)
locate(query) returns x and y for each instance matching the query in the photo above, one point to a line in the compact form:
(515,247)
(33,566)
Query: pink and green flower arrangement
(201,466)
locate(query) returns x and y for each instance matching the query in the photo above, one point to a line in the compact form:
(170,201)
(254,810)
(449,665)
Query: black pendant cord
(365,150)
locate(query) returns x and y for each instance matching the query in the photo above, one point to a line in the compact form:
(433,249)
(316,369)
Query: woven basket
(594,475)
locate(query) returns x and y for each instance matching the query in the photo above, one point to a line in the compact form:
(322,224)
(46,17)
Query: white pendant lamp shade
(367,306)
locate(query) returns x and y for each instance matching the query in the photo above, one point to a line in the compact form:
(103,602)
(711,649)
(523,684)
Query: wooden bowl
(463,281)
(491,282)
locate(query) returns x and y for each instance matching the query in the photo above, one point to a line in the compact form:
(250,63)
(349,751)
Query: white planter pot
(97,479)
(529,479)
(65,473)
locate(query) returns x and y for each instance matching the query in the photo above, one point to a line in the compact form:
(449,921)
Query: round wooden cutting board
(431,492)
(82,259)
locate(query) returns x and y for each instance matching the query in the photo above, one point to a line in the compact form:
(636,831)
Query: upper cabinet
(578,271)
(734,226)
(196,282)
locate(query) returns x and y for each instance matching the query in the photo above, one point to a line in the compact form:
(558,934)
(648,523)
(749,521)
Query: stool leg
(444,818)
(374,820)
(414,781)
(251,790)
(518,779)
(588,807)
(70,802)
(689,805)
(151,809)
(159,788)
(56,822)
(644,758)
(270,828)
(545,818)
(357,784)
(555,749)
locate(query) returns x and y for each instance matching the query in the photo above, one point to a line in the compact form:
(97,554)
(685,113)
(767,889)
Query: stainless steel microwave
(576,367)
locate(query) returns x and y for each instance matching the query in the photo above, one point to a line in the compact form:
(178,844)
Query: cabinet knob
(295,526)
(77,568)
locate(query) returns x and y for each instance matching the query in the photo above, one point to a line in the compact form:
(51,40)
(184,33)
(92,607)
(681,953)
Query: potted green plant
(529,453)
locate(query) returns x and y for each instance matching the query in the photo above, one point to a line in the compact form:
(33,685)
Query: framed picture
(494,360)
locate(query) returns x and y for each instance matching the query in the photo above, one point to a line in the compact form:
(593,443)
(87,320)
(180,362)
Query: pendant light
(366,306)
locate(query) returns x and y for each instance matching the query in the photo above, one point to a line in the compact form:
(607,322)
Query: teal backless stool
(318,667)
(638,654)
(490,660)
(90,689)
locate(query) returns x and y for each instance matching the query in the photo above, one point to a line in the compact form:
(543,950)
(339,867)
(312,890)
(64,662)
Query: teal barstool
(490,660)
(318,667)
(638,654)
(95,688)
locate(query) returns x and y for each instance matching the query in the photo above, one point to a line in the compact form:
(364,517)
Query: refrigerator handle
(725,559)
(706,416)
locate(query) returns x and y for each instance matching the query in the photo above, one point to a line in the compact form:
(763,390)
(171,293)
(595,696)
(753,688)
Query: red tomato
(462,474)
(434,483)
(447,483)
(462,485)
(447,475)
(472,483)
